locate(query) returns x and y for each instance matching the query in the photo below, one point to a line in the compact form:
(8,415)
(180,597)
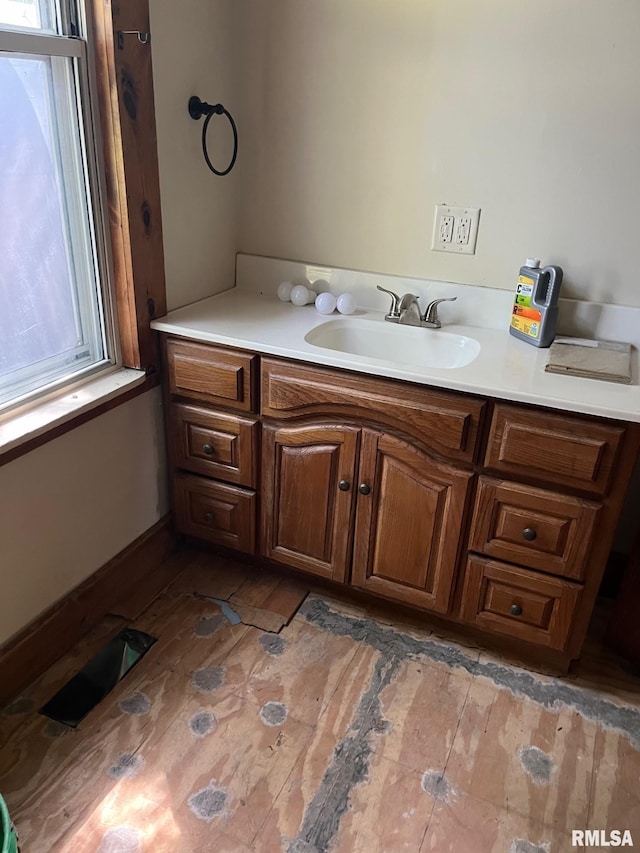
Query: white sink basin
(409,345)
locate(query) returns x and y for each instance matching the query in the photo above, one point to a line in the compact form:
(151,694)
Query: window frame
(124,74)
(124,130)
(82,138)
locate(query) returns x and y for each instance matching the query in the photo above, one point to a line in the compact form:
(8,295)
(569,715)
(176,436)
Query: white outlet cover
(445,234)
(472,213)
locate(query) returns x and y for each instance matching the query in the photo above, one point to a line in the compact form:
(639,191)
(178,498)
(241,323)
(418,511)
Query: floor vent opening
(98,677)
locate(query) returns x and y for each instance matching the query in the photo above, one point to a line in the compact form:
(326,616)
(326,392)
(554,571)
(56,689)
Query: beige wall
(72,504)
(194,54)
(360,115)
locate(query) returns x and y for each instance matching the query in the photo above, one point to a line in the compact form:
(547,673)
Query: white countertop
(506,368)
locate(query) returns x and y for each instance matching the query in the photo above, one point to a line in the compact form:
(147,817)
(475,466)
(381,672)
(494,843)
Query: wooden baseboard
(130,576)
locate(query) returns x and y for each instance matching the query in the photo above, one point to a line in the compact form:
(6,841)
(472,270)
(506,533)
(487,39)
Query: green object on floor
(8,840)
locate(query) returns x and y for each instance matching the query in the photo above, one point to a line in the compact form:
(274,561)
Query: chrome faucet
(430,318)
(394,312)
(406,310)
(410,311)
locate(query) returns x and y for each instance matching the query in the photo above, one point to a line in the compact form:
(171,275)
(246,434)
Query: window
(86,358)
(56,321)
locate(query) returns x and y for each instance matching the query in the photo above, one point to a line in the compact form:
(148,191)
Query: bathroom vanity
(482,508)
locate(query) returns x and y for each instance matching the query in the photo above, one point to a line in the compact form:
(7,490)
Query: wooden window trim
(126,109)
(127,119)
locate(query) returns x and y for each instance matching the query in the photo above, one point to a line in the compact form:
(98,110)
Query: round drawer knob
(529,534)
(515,610)
(364,489)
(208,517)
(344,485)
(208,449)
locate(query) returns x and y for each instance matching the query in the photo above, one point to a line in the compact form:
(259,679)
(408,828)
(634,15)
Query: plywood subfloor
(334,731)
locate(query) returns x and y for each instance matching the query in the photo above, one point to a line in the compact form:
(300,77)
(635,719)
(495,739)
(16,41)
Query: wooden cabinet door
(308,495)
(409,523)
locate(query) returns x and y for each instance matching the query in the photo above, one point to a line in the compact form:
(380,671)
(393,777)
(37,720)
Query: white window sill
(19,427)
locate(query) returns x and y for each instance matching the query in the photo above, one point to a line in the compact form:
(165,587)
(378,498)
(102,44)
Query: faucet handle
(431,313)
(394,311)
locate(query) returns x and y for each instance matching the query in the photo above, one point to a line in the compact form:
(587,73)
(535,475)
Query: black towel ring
(197,109)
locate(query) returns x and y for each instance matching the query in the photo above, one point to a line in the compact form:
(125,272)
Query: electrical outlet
(446,229)
(455,229)
(463,229)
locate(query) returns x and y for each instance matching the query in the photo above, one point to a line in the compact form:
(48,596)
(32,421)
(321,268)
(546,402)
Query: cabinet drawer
(216,512)
(508,600)
(212,374)
(446,422)
(213,444)
(534,527)
(568,451)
